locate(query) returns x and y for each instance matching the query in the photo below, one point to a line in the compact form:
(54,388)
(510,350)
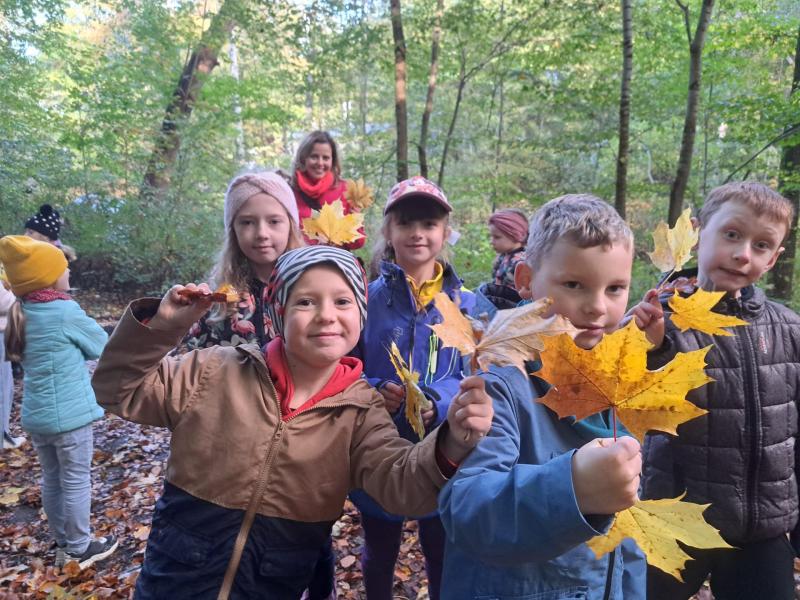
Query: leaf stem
(614,421)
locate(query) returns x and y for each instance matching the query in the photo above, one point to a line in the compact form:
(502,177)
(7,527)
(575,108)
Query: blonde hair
(581,219)
(233,267)
(304,151)
(15,332)
(760,198)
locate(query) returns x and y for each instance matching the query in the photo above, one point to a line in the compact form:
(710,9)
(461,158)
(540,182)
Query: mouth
(326,335)
(733,273)
(592,328)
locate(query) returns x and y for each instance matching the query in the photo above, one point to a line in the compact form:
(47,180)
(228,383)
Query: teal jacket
(59,338)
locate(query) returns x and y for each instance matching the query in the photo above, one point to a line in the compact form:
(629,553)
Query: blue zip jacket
(392,315)
(59,338)
(513,526)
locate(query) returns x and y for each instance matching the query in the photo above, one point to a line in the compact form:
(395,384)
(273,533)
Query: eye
(245,222)
(617,289)
(304,302)
(763,246)
(572,285)
(344,301)
(731,234)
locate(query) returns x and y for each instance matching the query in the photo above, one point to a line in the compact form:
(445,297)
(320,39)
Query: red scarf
(46,295)
(314,190)
(346,373)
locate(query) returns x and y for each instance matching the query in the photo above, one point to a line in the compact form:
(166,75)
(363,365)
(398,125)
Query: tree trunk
(233,55)
(696,44)
(789,185)
(200,64)
(426,115)
(401,117)
(624,107)
(462,82)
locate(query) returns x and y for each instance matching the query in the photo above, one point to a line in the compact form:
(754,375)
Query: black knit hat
(47,222)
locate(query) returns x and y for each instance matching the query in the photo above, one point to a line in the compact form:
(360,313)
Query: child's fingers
(473,382)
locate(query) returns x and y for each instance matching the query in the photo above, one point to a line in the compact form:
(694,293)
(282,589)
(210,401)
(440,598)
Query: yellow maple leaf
(614,374)
(673,247)
(655,525)
(695,312)
(330,225)
(512,337)
(416,401)
(359,194)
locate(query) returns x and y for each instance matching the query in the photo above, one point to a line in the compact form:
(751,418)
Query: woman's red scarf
(314,190)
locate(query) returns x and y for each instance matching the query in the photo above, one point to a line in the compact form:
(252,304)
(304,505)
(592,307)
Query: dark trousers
(758,571)
(381,546)
(323,582)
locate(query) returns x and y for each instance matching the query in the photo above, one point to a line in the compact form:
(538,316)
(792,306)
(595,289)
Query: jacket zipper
(753,412)
(609,574)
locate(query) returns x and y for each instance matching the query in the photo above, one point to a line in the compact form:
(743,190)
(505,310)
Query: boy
(522,505)
(740,457)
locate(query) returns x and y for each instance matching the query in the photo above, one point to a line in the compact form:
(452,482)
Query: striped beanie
(292,264)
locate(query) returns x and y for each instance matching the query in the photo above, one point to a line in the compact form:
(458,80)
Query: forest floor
(129,462)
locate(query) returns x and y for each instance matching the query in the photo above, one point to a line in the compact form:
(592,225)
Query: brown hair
(761,199)
(304,151)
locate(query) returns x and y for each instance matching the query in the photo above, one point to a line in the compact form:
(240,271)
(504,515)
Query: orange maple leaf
(614,375)
(330,225)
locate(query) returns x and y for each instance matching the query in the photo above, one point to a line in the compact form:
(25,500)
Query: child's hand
(649,316)
(393,396)
(470,418)
(178,312)
(428,416)
(605,475)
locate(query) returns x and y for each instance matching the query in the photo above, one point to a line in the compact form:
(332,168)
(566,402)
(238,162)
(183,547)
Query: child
(400,310)
(741,456)
(522,505)
(266,444)
(508,229)
(7,299)
(52,337)
(317,179)
(261,223)
(45,226)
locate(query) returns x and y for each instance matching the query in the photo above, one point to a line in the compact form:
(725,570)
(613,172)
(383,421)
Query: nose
(326,311)
(263,229)
(742,253)
(595,305)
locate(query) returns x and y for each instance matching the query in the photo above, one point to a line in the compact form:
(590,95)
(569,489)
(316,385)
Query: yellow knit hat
(30,265)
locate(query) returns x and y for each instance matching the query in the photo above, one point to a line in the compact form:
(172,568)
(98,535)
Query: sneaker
(12,442)
(61,557)
(98,550)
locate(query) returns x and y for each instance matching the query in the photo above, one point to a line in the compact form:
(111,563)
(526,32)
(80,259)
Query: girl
(45,226)
(7,299)
(316,179)
(267,443)
(261,223)
(508,229)
(52,337)
(415,227)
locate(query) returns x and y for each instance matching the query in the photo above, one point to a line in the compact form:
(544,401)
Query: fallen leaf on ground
(11,496)
(694,312)
(614,375)
(655,525)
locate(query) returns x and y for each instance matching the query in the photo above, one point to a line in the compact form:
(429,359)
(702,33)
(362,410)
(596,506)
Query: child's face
(262,229)
(322,322)
(418,242)
(39,237)
(62,283)
(320,161)
(589,286)
(736,248)
(500,241)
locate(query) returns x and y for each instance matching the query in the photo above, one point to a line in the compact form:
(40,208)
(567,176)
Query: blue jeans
(66,460)
(6,389)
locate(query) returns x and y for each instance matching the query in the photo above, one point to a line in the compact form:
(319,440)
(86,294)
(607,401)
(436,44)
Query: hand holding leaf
(330,225)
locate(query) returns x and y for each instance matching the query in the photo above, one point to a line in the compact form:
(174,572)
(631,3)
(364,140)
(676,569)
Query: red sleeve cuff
(447,467)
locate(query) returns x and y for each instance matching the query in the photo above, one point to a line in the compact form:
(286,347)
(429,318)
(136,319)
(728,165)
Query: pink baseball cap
(416,186)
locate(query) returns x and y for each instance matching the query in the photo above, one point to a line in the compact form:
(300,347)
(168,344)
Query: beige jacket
(222,409)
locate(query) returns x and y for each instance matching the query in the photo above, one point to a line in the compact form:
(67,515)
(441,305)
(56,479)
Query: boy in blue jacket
(520,508)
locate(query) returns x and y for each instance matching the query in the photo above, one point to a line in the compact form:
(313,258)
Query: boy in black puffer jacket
(741,456)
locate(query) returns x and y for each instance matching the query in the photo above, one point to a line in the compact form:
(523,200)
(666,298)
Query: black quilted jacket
(741,456)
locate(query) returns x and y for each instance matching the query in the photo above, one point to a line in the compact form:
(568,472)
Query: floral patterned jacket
(248,323)
(504,265)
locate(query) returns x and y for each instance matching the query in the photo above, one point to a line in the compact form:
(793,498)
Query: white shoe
(10,441)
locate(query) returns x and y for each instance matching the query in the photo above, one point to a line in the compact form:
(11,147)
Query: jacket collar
(395,277)
(359,393)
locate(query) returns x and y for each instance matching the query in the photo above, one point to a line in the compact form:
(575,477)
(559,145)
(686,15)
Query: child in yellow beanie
(49,334)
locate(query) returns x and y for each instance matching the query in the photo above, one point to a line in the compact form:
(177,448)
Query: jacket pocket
(571,593)
(178,544)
